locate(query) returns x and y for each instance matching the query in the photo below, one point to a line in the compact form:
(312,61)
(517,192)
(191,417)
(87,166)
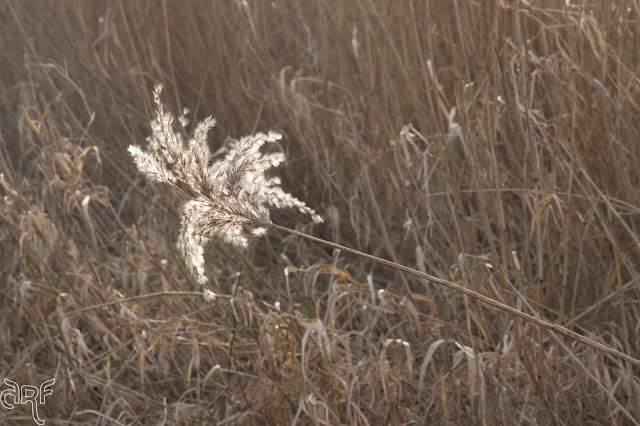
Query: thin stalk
(556,328)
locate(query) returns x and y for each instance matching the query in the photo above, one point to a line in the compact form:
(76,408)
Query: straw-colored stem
(489,301)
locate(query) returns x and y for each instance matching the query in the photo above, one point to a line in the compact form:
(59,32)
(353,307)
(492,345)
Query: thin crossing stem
(556,328)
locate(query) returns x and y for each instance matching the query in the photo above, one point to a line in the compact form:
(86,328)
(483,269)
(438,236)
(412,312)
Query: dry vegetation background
(492,143)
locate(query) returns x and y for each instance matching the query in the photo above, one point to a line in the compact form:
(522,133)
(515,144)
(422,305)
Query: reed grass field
(492,144)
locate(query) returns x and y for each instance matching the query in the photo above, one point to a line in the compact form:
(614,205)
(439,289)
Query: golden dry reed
(489,146)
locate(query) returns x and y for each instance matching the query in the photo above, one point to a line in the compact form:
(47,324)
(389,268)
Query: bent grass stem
(556,328)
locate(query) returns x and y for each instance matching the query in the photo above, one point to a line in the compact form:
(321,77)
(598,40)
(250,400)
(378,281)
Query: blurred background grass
(495,144)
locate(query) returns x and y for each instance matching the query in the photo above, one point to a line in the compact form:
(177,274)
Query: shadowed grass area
(492,144)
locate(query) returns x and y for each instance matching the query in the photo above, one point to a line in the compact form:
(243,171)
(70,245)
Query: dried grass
(517,178)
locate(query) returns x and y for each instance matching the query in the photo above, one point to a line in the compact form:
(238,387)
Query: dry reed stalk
(231,196)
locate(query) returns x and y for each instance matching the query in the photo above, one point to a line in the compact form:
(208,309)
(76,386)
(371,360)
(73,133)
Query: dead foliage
(493,144)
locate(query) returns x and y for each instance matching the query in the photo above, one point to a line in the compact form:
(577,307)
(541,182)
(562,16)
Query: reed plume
(229,197)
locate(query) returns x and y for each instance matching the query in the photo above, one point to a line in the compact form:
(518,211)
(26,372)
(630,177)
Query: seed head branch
(230,195)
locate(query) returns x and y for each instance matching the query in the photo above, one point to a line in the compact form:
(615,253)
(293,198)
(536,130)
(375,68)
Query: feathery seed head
(229,196)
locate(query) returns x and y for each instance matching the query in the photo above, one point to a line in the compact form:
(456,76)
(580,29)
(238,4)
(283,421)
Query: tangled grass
(517,179)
